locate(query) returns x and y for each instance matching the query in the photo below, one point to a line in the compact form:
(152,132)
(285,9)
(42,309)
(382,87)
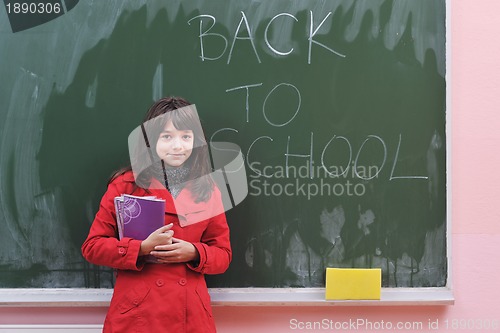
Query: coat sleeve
(102,246)
(214,247)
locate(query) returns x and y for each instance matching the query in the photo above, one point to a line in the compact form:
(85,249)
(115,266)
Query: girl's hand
(161,236)
(177,252)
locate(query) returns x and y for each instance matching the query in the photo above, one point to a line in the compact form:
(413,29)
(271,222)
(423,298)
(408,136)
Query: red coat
(158,297)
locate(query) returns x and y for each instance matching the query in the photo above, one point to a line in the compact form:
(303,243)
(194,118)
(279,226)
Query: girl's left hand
(177,252)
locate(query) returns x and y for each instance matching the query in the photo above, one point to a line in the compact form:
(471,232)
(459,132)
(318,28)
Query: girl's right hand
(161,236)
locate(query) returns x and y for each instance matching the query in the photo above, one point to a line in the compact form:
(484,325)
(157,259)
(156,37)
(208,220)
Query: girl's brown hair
(185,118)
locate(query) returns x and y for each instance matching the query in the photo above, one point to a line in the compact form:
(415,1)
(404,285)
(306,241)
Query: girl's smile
(174,146)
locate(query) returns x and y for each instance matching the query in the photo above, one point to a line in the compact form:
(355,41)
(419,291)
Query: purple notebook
(138,217)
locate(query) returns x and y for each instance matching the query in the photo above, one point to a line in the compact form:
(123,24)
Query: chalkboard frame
(93,297)
(231,297)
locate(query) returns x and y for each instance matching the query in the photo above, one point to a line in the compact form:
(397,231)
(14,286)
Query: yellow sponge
(353,283)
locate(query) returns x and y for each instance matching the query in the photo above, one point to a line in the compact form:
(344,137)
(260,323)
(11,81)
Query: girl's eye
(187,137)
(165,136)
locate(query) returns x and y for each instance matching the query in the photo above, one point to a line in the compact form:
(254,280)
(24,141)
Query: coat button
(182,282)
(160,283)
(122,251)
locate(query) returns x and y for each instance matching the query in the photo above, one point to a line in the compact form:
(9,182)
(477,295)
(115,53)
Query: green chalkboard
(339,108)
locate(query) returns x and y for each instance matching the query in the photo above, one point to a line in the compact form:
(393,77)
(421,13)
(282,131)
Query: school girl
(169,295)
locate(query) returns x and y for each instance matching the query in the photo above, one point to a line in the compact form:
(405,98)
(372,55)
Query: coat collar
(184,206)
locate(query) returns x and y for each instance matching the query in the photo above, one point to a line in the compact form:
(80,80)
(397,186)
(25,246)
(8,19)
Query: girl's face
(174,146)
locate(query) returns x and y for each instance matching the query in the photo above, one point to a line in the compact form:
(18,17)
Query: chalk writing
(246,87)
(266,35)
(207,32)
(309,155)
(296,111)
(245,26)
(313,33)
(335,137)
